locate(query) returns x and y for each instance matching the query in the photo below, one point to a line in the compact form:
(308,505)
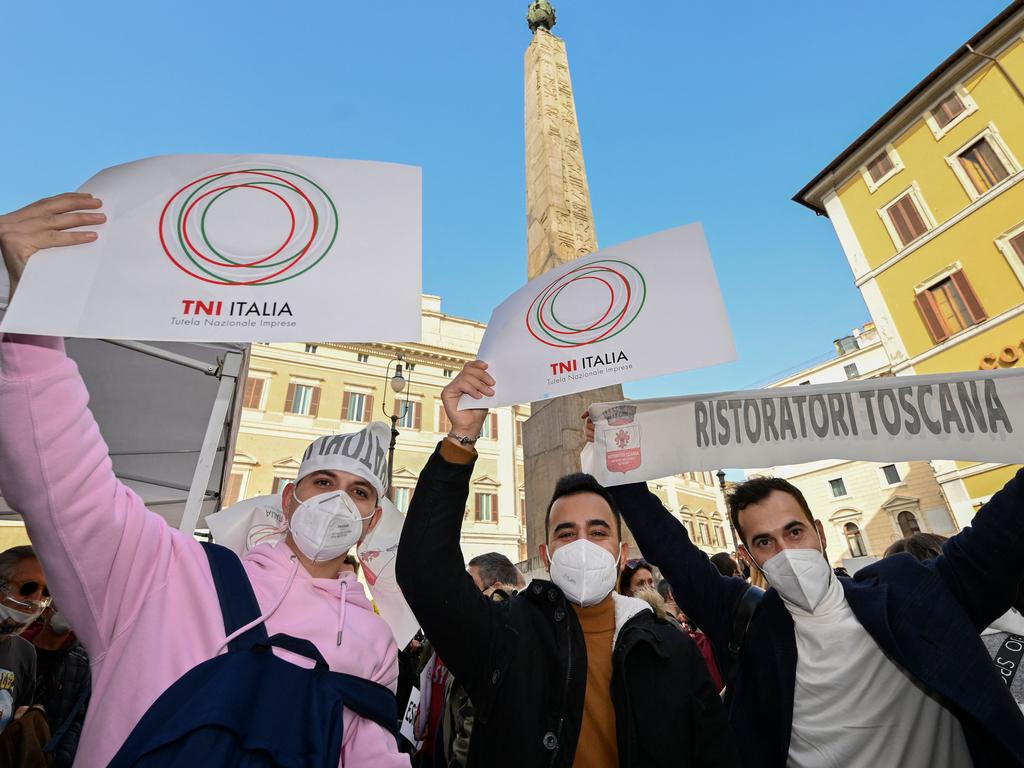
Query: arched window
(908,523)
(854,540)
(705,537)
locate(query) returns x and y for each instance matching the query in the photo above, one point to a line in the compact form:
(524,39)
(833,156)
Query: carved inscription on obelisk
(560,228)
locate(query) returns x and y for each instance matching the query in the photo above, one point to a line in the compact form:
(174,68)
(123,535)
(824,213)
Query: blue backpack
(247,707)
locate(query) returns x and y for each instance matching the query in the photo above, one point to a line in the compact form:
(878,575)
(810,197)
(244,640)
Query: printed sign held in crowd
(236,248)
(974,416)
(643,308)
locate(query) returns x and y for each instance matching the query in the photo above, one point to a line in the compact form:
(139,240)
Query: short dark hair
(11,558)
(664,589)
(725,564)
(494,567)
(757,490)
(920,546)
(581,482)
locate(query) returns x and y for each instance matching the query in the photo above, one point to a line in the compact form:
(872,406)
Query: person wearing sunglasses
(23,597)
(636,575)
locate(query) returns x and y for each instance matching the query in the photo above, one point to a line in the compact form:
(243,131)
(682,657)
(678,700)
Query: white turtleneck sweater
(853,707)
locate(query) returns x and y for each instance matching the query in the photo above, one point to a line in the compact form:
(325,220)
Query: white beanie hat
(363,453)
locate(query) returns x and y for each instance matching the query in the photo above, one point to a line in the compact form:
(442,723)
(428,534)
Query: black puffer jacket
(524,661)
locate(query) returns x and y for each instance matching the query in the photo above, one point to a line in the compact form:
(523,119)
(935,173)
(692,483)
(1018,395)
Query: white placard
(237,248)
(643,308)
(973,416)
(408,728)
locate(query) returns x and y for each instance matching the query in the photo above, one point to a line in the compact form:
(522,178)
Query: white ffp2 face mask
(801,576)
(14,622)
(325,527)
(584,571)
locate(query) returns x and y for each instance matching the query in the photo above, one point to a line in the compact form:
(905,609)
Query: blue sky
(689,112)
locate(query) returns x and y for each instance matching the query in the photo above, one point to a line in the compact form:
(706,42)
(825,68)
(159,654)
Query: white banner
(974,416)
(604,319)
(237,248)
(242,526)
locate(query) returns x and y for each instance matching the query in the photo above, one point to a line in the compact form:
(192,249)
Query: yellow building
(864,506)
(928,205)
(296,392)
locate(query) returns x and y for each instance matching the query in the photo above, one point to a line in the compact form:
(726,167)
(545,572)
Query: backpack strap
(371,701)
(741,619)
(238,603)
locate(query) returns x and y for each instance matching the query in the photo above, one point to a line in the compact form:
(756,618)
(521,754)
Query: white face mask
(584,571)
(14,622)
(325,527)
(801,576)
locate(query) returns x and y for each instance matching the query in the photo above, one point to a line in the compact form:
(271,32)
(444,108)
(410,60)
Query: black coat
(926,617)
(524,661)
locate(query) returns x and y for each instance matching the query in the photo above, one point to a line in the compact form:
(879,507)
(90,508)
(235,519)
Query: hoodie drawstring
(267,614)
(341,609)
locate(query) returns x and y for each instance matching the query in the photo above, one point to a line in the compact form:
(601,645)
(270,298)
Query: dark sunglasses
(29,588)
(636,563)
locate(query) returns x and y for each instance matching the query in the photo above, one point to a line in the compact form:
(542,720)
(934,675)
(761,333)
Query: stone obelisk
(560,228)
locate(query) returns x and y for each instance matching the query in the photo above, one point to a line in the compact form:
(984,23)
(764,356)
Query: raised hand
(43,224)
(473,380)
(588,427)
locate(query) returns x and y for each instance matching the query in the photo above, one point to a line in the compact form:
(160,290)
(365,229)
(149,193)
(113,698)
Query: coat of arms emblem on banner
(621,439)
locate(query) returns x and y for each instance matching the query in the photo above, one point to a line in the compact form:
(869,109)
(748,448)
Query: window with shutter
(906,219)
(233,490)
(417,415)
(1017,244)
(289,400)
(406,412)
(982,165)
(947,110)
(302,398)
(854,540)
(368,408)
(444,426)
(355,406)
(253,393)
(972,303)
(929,310)
(314,402)
(880,166)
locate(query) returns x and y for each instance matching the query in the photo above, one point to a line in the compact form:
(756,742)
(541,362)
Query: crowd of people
(161,650)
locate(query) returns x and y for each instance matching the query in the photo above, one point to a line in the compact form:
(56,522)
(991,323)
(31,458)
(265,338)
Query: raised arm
(704,594)
(458,620)
(101,548)
(983,565)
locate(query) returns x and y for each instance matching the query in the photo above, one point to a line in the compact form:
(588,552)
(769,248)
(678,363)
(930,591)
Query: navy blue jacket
(926,617)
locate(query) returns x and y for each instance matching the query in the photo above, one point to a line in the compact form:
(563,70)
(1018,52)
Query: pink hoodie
(138,593)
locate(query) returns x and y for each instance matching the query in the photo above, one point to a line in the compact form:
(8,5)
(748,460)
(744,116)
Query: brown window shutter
(233,489)
(519,432)
(397,410)
(289,399)
(314,403)
(494,506)
(970,298)
(930,313)
(417,416)
(476,505)
(494,425)
(345,399)
(368,408)
(253,393)
(1017,243)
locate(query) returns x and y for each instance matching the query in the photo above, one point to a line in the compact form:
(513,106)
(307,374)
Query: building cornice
(1004,30)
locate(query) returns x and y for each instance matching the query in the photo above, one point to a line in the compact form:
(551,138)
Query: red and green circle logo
(588,304)
(289,225)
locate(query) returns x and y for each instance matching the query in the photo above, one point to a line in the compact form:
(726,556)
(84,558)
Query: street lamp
(398,384)
(720,474)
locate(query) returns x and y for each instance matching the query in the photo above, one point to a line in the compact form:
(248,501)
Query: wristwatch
(463,439)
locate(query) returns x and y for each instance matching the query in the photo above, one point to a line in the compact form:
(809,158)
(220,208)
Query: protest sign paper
(643,308)
(974,416)
(260,520)
(237,248)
